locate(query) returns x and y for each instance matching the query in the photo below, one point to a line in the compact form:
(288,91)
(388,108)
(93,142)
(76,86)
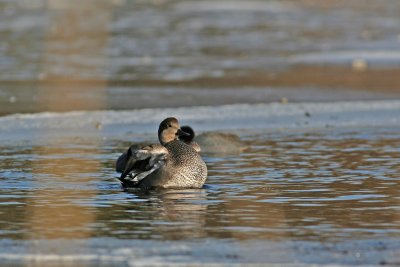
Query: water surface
(301,192)
(318,183)
(68,55)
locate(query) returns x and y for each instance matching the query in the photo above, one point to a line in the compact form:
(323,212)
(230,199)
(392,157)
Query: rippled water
(180,40)
(323,186)
(317,184)
(102,54)
(119,49)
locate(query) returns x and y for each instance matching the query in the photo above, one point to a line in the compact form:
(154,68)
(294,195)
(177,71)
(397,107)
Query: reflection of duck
(213,142)
(183,210)
(173,164)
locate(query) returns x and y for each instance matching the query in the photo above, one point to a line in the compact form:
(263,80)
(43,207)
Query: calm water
(327,187)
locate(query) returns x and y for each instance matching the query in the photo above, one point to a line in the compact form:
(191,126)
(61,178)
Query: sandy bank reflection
(54,212)
(71,20)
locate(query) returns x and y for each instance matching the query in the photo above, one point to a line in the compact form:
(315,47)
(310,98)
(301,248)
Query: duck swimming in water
(170,164)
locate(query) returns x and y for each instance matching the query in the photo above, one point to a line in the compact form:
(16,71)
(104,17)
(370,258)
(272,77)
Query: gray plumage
(123,159)
(173,164)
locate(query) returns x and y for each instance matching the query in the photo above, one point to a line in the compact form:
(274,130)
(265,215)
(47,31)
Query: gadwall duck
(170,164)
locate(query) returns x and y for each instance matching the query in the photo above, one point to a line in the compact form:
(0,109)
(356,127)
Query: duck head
(170,130)
(190,134)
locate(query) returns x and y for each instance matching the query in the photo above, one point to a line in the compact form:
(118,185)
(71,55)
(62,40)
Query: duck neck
(164,142)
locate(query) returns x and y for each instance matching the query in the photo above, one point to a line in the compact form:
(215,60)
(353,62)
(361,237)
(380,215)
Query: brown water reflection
(317,186)
(51,212)
(69,19)
(149,50)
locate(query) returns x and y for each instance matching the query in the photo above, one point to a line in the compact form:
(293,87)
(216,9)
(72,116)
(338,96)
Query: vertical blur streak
(77,37)
(54,212)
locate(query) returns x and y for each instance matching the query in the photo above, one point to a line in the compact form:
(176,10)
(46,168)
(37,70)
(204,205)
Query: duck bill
(181,133)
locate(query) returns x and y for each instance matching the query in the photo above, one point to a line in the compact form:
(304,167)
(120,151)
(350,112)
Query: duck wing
(140,162)
(123,159)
